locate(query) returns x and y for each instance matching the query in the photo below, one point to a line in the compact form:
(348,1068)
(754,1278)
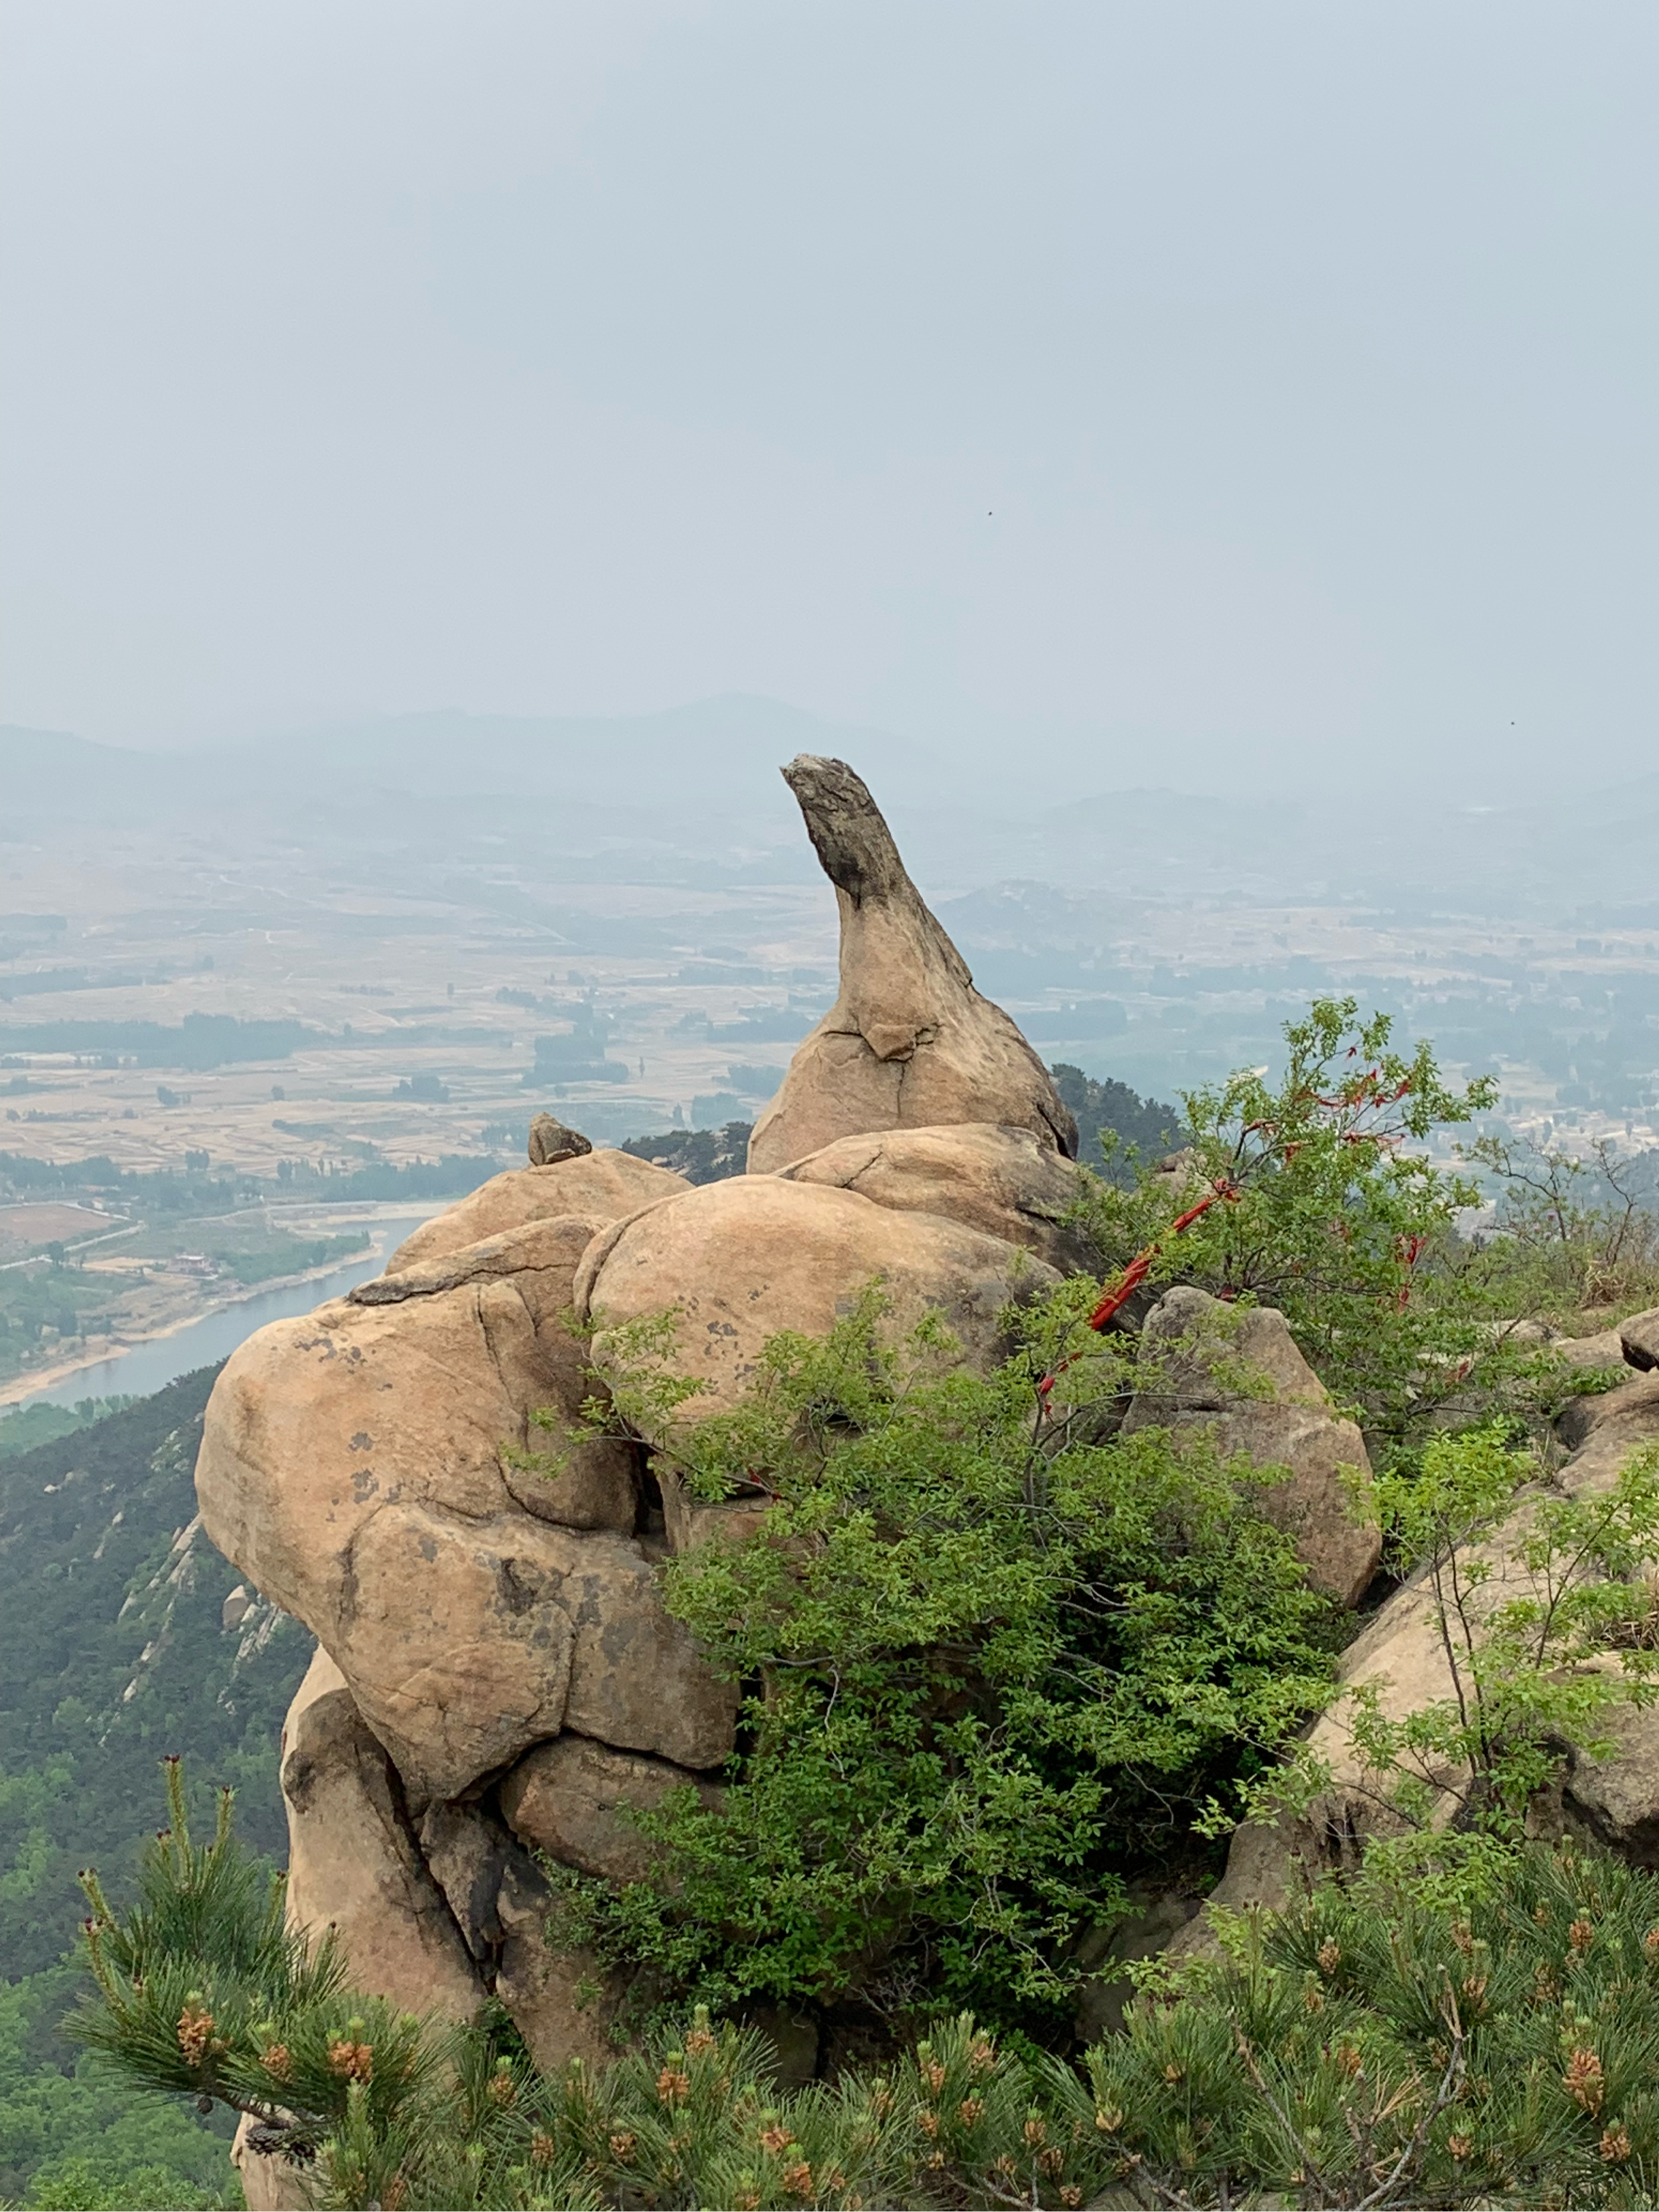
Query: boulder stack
(415,1471)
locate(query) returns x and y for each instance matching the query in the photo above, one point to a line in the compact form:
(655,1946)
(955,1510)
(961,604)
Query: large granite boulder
(465,1641)
(354,1864)
(603,1184)
(1003,1181)
(909,1043)
(735,1262)
(1235,1376)
(361,1466)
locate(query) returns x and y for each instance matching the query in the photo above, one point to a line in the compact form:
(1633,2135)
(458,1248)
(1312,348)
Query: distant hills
(699,783)
(713,752)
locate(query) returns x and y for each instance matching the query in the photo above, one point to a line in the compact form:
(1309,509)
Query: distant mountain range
(711,752)
(696,788)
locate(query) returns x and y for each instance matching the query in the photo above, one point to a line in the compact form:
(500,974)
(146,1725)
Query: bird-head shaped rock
(909,1042)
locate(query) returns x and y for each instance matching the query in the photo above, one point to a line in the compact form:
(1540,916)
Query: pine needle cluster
(1389,2041)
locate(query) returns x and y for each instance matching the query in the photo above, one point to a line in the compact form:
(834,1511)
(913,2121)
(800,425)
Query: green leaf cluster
(1328,1203)
(1545,1611)
(991,1663)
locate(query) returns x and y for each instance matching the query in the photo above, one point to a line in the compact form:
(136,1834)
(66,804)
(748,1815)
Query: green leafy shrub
(1545,1616)
(991,1666)
(1325,1203)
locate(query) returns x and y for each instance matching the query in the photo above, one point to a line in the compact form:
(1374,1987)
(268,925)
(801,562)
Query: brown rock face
(1581,1417)
(571,1798)
(353,1863)
(551,1141)
(318,1424)
(909,1043)
(604,1185)
(1616,1798)
(1401,1656)
(741,1260)
(355,1464)
(466,1643)
(1206,1362)
(564,2003)
(1003,1181)
(1639,1337)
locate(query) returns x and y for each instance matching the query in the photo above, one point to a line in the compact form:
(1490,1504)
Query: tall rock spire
(909,1043)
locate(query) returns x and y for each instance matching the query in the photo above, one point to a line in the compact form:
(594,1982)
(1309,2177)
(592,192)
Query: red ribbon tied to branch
(1119,1292)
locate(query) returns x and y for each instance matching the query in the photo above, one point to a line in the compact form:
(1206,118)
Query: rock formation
(758,1254)
(498,1675)
(353,1863)
(1401,1656)
(1003,1181)
(551,1141)
(909,1043)
(1235,1379)
(410,1472)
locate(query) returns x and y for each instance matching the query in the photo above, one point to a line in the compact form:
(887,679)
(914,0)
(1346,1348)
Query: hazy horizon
(1266,394)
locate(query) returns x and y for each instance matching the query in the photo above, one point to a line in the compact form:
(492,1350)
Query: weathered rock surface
(1615,1798)
(584,1481)
(466,1643)
(1639,1336)
(353,1863)
(571,1798)
(1578,1420)
(563,2001)
(909,1043)
(318,1422)
(551,1141)
(1401,1656)
(270,2182)
(353,1463)
(604,1185)
(1604,1349)
(739,1261)
(1003,1181)
(1208,1363)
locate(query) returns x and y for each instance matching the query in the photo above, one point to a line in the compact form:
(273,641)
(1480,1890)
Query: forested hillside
(122,1642)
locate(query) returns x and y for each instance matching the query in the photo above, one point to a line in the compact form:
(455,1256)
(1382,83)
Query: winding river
(150,1366)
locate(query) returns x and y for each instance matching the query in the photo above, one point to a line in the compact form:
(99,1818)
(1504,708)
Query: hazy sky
(1205,394)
